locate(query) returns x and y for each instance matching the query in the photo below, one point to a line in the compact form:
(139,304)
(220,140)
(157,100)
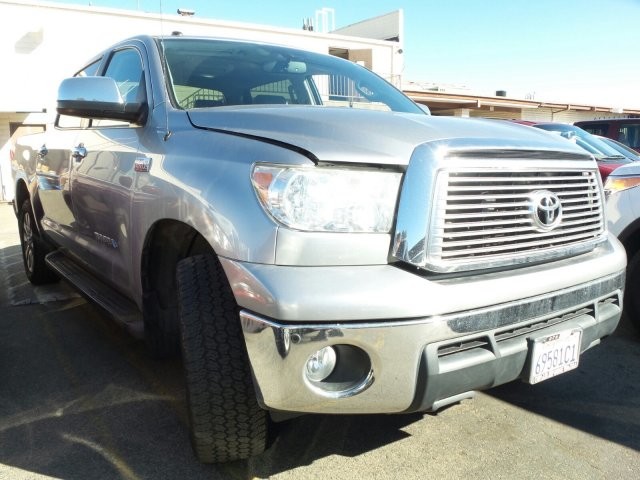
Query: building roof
(441,101)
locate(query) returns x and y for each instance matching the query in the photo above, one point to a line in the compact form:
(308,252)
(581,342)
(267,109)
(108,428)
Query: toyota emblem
(545,210)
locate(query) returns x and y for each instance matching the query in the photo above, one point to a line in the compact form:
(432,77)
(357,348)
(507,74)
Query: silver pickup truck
(311,239)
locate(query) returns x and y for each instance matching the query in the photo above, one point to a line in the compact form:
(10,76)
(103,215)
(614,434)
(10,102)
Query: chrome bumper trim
(408,372)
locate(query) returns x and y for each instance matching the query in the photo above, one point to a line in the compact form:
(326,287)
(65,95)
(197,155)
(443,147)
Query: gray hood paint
(363,136)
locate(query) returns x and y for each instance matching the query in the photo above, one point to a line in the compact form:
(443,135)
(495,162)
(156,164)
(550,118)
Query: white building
(41,43)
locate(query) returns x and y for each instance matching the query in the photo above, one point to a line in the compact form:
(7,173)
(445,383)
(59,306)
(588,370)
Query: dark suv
(624,130)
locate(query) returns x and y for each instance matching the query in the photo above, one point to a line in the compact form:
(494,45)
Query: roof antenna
(163,61)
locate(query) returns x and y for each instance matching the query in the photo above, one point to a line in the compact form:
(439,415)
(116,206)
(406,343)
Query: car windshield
(584,139)
(628,152)
(214,73)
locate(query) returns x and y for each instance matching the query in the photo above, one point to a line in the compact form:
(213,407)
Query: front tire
(33,248)
(227,423)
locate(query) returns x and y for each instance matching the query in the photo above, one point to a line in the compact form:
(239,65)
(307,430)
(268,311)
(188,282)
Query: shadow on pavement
(601,397)
(306,439)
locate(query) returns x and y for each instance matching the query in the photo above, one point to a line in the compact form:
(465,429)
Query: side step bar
(123,310)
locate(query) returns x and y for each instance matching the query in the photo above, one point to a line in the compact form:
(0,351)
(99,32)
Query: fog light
(321,364)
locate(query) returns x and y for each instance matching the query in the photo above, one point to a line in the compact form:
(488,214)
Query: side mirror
(97,97)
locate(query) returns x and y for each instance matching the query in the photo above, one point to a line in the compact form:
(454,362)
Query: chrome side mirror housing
(97,97)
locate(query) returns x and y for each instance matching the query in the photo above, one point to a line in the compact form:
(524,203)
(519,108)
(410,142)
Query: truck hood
(362,136)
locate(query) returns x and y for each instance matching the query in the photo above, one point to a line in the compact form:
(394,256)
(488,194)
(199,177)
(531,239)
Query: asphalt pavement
(80,399)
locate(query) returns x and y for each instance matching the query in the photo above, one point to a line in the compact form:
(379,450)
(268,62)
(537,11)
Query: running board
(123,310)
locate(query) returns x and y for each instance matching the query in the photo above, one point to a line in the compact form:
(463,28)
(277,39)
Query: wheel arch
(630,237)
(167,242)
(21,194)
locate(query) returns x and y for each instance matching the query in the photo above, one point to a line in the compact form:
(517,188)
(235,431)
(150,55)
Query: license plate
(554,354)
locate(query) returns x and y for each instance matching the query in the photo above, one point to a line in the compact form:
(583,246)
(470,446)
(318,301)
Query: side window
(125,67)
(89,71)
(629,134)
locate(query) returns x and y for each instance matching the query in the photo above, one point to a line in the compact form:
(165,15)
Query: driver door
(102,177)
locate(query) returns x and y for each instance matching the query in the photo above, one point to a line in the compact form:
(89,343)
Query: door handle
(79,152)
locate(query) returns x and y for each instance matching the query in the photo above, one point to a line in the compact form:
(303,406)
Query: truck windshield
(204,73)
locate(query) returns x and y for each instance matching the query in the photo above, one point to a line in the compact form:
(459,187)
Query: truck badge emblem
(545,210)
(106,241)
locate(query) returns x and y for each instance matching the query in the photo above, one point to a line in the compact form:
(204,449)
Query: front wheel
(33,248)
(227,423)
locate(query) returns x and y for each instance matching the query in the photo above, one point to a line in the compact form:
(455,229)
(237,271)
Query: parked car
(309,238)
(622,190)
(607,157)
(623,149)
(624,130)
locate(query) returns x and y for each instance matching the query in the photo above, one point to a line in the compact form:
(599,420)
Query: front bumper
(424,363)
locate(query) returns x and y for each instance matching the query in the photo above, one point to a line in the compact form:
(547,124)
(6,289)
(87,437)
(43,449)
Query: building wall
(540,114)
(565,116)
(383,27)
(6,143)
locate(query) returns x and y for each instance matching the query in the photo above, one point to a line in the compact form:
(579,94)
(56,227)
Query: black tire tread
(227,423)
(41,274)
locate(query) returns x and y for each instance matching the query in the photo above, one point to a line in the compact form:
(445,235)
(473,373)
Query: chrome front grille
(487,216)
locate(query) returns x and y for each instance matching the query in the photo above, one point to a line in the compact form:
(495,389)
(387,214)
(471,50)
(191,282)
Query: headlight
(322,199)
(617,184)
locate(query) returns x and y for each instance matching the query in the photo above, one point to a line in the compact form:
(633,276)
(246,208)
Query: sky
(563,51)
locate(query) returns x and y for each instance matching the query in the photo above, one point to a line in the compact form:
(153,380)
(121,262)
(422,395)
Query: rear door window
(629,134)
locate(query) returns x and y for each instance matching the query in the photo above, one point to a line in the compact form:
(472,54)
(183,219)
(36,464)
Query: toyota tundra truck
(309,238)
